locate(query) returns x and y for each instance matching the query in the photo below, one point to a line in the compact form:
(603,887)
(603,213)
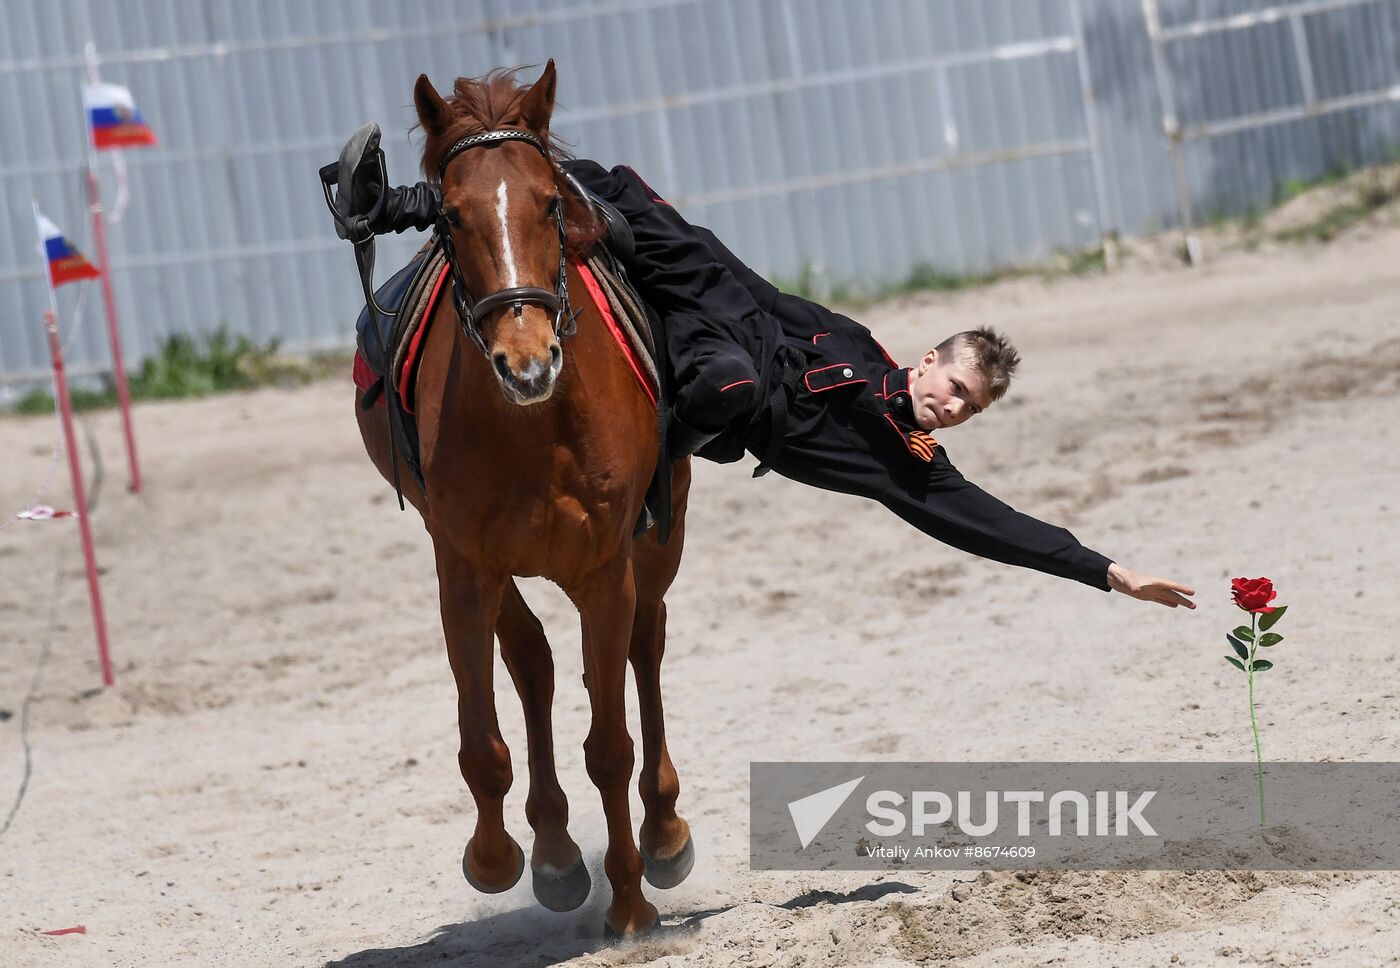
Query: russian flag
(66,264)
(114,119)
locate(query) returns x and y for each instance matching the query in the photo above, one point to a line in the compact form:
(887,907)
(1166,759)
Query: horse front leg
(559,876)
(667,849)
(606,602)
(470,598)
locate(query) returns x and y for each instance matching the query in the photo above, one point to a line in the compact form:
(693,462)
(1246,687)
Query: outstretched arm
(959,513)
(962,514)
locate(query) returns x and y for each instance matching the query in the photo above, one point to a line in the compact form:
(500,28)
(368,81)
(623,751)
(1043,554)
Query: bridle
(469,313)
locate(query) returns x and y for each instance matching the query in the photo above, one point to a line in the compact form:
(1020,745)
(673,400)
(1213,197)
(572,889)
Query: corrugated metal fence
(863,137)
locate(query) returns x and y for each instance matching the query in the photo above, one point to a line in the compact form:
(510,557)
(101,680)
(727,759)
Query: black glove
(408,207)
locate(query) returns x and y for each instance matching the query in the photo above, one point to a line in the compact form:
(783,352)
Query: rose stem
(1258,756)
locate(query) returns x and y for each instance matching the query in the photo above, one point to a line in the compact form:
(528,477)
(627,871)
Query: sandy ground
(273,780)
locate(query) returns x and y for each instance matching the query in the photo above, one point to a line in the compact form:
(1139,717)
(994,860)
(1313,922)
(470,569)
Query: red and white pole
(99,235)
(80,509)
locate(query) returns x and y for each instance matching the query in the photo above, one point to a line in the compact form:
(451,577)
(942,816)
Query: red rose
(1254,594)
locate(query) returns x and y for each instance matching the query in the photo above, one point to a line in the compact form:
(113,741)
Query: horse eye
(454,218)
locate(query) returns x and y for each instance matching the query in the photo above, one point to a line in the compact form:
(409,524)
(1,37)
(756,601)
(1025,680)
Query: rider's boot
(683,439)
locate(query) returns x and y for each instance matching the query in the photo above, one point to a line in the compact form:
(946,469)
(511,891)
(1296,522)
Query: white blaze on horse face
(507,254)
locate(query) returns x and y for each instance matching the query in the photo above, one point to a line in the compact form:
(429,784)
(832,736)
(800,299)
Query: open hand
(1149,589)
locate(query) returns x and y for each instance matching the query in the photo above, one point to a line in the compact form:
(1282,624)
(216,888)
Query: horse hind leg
(559,876)
(470,599)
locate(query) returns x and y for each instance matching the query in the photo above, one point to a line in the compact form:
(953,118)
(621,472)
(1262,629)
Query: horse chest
(551,489)
(537,513)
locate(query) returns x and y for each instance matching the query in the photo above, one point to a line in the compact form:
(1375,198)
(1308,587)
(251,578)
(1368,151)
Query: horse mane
(492,101)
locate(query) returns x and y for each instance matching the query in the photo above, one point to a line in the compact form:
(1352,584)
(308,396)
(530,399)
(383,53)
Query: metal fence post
(1171,125)
(1091,123)
(1300,48)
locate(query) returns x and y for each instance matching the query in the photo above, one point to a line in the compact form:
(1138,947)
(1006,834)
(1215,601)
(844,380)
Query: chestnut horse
(535,464)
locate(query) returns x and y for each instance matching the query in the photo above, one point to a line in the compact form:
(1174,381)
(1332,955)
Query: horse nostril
(502,368)
(556,356)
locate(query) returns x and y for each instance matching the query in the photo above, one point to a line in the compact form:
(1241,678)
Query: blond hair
(985,351)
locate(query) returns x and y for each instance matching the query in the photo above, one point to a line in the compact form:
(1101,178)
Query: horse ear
(538,103)
(433,112)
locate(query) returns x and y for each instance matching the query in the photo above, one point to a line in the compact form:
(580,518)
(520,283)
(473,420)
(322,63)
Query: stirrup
(645,521)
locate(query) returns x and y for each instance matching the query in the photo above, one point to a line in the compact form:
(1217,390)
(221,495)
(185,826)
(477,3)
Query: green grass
(1288,190)
(1281,193)
(1086,262)
(926,277)
(1371,194)
(930,278)
(186,366)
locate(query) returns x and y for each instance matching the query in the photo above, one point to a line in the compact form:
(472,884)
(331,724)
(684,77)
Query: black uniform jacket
(849,425)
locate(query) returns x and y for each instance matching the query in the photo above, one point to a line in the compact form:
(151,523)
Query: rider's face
(946,392)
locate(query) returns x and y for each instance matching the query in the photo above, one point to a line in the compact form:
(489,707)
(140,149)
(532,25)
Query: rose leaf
(1240,649)
(1267,622)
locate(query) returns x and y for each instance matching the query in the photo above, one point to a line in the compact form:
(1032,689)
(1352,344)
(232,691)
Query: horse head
(511,217)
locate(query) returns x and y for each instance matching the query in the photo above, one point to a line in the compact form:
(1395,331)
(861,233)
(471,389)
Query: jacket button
(848,373)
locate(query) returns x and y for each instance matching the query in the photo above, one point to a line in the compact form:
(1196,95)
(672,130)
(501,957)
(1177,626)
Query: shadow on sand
(533,936)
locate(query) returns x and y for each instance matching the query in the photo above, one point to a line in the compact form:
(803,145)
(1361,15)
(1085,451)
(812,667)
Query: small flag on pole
(113,117)
(66,264)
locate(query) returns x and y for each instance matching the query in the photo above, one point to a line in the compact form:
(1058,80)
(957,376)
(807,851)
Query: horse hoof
(565,892)
(505,885)
(669,872)
(645,922)
(611,935)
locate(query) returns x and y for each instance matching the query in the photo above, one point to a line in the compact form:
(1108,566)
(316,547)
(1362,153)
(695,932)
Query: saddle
(389,337)
(383,338)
